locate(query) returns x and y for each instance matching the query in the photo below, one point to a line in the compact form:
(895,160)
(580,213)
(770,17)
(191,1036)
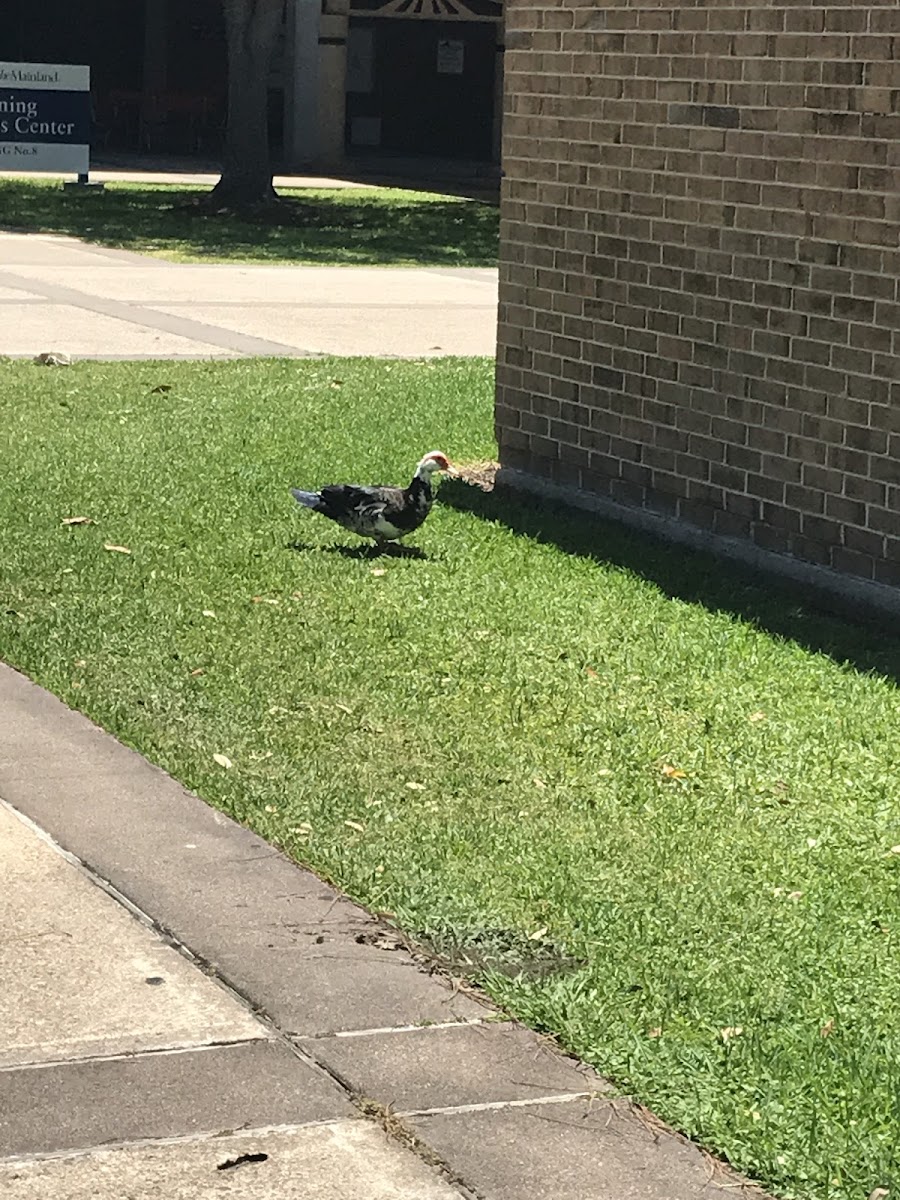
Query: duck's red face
(435,461)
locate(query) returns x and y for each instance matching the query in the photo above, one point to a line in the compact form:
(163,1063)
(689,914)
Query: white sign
(45,118)
(49,78)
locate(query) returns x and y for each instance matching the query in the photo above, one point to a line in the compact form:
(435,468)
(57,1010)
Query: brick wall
(700,275)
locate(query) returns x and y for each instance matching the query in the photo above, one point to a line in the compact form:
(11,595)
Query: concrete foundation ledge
(844,595)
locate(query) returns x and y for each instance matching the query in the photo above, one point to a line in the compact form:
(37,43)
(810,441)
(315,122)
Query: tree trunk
(250,30)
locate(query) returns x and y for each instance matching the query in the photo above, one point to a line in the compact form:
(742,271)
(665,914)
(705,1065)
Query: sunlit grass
(544,723)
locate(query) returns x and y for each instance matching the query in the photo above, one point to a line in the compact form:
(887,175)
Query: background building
(700,274)
(375,79)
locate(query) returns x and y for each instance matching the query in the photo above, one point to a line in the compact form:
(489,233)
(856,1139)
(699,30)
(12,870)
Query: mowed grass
(340,226)
(545,735)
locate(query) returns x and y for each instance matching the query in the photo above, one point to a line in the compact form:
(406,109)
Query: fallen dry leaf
(538,934)
(117,549)
(198,671)
(208,612)
(223,760)
(730,1031)
(591,673)
(757,716)
(538,782)
(654,1033)
(827,1029)
(673,772)
(415,787)
(879,1194)
(271,808)
(379,571)
(794,895)
(355,825)
(77,521)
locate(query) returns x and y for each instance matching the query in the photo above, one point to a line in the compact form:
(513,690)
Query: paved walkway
(59,294)
(186,1013)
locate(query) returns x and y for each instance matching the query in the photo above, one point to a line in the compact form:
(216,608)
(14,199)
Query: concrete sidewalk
(60,294)
(186,1013)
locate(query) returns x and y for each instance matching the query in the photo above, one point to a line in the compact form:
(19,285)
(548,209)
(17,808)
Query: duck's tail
(307,499)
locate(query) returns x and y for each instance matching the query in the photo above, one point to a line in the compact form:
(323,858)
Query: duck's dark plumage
(380,512)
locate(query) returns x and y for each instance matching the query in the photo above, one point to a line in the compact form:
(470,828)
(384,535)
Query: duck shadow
(360,553)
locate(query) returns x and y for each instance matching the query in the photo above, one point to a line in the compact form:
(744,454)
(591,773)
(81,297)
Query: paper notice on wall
(451,56)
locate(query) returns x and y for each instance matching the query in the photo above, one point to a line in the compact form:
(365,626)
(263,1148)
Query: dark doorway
(421,88)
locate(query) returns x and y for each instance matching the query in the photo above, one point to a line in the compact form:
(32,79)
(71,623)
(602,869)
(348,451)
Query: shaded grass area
(343,226)
(664,792)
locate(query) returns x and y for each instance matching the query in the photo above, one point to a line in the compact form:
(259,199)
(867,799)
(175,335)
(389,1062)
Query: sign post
(45,118)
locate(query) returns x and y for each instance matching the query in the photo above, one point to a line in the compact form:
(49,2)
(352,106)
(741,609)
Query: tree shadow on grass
(344,227)
(868,643)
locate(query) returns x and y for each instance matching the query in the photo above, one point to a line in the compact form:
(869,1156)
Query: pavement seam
(130,1056)
(498,1105)
(149,318)
(373,1110)
(383,1115)
(463,1023)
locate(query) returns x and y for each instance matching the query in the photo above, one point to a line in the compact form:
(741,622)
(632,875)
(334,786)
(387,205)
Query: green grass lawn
(342,226)
(668,794)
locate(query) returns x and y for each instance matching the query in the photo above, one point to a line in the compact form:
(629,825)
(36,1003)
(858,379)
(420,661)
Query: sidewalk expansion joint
(499,1105)
(373,1110)
(133,1055)
(390,1122)
(462,1023)
(147,317)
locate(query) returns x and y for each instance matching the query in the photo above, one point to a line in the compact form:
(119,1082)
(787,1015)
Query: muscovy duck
(379,512)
